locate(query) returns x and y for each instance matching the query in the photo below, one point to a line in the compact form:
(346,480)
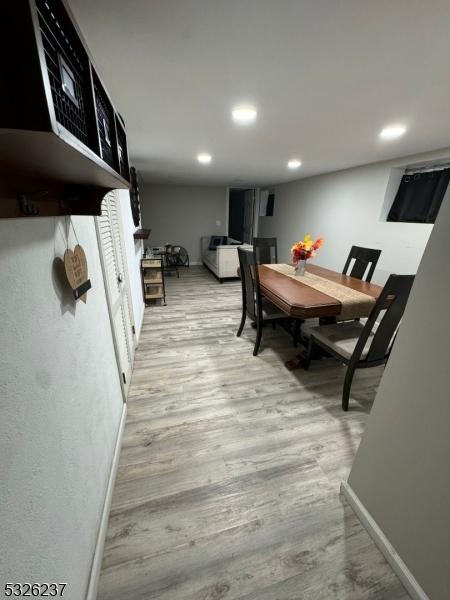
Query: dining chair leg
(347,386)
(258,336)
(243,318)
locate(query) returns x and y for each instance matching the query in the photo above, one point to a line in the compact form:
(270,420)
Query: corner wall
(401,471)
(182,214)
(61,405)
(348,208)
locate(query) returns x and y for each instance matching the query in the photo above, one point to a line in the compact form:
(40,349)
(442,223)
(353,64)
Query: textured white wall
(401,471)
(182,214)
(348,208)
(61,405)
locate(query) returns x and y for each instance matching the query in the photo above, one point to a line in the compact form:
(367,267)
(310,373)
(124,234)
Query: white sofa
(223,261)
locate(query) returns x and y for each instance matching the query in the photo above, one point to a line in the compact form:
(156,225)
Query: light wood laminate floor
(228,484)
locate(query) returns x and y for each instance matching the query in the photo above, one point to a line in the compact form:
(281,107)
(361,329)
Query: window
(419,196)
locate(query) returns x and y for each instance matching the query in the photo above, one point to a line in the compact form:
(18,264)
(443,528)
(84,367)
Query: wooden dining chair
(360,344)
(364,258)
(258,308)
(265,250)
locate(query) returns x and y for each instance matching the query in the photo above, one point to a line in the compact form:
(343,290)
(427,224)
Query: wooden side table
(153,286)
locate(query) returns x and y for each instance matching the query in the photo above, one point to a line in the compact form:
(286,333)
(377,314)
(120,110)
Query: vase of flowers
(300,267)
(302,251)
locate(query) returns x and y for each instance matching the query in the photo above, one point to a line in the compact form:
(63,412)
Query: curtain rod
(427,167)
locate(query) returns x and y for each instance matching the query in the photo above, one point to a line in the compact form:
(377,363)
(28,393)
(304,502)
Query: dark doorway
(241,206)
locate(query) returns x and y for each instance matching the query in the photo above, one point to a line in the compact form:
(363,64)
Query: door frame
(257,191)
(124,386)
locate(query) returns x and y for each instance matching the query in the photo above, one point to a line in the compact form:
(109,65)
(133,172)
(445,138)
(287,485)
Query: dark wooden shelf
(142,234)
(62,159)
(62,143)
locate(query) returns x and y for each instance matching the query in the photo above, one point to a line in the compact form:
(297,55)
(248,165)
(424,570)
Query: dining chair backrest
(363,257)
(395,295)
(265,250)
(251,295)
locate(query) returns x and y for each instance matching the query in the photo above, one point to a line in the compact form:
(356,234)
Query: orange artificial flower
(318,243)
(306,248)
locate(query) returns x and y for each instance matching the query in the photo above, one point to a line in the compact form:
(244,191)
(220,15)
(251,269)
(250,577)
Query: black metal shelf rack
(63,143)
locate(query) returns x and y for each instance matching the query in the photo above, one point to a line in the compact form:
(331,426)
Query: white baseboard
(390,554)
(91,593)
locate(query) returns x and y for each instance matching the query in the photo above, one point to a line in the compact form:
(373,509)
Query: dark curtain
(419,197)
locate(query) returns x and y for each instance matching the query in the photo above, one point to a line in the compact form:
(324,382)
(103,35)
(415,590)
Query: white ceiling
(325,75)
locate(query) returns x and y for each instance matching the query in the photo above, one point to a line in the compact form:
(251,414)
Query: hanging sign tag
(75,265)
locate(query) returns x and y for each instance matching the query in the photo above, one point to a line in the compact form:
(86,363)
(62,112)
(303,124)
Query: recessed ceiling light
(294,163)
(204,158)
(244,114)
(392,132)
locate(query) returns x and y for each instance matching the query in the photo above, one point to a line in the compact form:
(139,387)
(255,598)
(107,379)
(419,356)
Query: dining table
(320,293)
(300,298)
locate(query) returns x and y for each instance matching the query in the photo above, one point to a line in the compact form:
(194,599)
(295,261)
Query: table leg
(318,353)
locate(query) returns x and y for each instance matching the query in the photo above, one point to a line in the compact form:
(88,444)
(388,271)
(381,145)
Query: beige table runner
(354,304)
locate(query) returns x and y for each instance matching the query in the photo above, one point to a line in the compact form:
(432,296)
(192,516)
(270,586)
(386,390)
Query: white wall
(183,214)
(348,208)
(133,253)
(402,468)
(61,405)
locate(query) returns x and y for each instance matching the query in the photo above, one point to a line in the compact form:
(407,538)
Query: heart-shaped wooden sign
(76,268)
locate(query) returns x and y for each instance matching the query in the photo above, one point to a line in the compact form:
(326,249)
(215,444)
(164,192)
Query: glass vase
(300,268)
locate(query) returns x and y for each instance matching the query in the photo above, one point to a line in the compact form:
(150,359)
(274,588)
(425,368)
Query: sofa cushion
(216,240)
